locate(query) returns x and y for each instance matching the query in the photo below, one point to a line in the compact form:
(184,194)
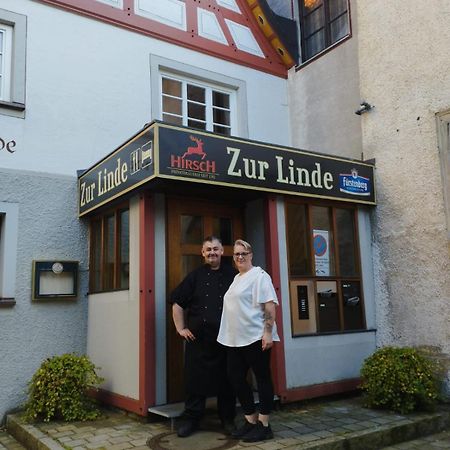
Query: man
(196,310)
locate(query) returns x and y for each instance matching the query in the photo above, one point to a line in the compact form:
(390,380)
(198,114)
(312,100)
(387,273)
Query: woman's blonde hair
(244,244)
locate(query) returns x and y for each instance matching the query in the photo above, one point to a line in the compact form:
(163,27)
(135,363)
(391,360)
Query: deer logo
(195,150)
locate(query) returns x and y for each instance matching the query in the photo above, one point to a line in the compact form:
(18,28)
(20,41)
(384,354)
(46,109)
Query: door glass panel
(323,242)
(189,263)
(351,294)
(191,229)
(297,231)
(222,228)
(346,242)
(327,302)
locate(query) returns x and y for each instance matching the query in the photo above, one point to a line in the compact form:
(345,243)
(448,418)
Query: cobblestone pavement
(320,425)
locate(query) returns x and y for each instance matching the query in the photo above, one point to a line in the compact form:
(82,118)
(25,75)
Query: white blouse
(243,309)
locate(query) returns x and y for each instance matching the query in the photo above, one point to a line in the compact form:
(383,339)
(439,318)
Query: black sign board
(166,151)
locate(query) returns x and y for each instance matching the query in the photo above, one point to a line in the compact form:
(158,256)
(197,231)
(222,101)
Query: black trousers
(240,360)
(206,376)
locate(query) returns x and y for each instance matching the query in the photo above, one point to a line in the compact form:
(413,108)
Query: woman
(248,330)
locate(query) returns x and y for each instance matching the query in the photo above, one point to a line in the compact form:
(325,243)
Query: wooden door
(189,222)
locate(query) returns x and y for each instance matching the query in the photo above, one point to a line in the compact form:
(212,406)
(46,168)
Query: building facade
(397,83)
(131,129)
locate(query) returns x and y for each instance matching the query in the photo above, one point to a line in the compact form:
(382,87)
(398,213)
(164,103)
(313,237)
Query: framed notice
(321,252)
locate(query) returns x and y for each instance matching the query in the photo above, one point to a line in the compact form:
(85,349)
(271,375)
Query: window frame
(14,105)
(159,64)
(5,61)
(443,136)
(9,225)
(102,220)
(338,278)
(328,45)
(209,106)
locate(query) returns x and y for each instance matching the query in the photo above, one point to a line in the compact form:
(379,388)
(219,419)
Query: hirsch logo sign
(167,152)
(194,161)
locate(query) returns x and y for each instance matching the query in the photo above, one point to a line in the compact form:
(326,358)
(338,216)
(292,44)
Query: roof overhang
(178,154)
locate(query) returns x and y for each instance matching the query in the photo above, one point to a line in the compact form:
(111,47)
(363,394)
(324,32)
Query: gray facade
(47,228)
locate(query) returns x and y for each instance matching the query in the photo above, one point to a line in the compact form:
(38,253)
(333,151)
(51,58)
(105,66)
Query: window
(109,255)
(443,122)
(196,105)
(322,24)
(324,268)
(9,220)
(5,61)
(12,63)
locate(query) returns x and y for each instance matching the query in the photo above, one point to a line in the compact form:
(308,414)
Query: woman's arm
(269,320)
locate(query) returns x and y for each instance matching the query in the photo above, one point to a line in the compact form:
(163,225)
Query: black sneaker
(259,433)
(187,427)
(243,430)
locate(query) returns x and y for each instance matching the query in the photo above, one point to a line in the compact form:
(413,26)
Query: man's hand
(186,333)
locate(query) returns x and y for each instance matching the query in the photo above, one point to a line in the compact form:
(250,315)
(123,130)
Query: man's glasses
(242,254)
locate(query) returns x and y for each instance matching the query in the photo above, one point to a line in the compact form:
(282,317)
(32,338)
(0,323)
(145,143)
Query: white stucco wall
(88,90)
(323,98)
(404,68)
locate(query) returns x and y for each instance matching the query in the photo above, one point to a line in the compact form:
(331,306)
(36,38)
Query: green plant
(400,379)
(58,388)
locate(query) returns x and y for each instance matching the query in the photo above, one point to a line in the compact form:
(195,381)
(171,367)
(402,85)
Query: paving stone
(120,446)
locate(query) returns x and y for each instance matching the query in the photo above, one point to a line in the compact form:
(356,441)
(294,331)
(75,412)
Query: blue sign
(352,183)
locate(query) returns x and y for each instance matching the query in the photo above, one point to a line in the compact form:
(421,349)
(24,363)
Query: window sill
(7,302)
(321,53)
(334,333)
(12,105)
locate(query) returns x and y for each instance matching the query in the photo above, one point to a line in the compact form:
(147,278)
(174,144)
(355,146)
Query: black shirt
(201,295)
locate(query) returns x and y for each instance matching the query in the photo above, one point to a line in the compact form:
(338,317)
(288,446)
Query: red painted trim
(147,314)
(126,18)
(273,266)
(319,390)
(117,400)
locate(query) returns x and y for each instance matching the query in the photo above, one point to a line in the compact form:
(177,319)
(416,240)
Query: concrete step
(331,425)
(433,441)
(7,442)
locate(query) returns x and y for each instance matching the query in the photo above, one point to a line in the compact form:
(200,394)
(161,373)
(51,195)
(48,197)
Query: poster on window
(321,252)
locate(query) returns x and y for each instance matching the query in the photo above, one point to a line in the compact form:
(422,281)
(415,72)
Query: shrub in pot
(399,379)
(58,390)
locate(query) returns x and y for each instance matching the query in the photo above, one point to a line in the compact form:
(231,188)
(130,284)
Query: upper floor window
(196,105)
(13,33)
(322,23)
(6,32)
(109,251)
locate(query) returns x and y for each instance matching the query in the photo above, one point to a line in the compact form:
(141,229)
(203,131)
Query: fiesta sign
(167,152)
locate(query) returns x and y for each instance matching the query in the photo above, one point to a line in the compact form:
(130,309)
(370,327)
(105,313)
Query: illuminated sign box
(162,151)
